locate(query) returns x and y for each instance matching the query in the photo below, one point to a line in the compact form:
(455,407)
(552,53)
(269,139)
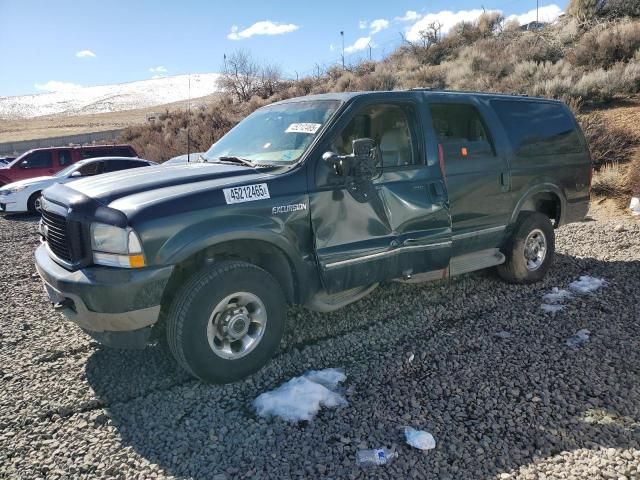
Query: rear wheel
(226,322)
(33,205)
(529,252)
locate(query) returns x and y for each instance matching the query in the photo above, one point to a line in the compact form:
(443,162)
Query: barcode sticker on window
(310,128)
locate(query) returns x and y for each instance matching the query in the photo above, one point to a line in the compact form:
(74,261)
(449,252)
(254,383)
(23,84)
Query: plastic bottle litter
(579,338)
(375,457)
(419,439)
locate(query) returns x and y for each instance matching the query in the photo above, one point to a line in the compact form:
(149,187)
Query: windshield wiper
(239,160)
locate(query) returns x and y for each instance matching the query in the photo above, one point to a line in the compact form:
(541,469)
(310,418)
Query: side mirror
(338,162)
(76,174)
(363,147)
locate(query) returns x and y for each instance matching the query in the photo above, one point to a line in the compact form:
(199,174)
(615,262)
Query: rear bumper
(104,300)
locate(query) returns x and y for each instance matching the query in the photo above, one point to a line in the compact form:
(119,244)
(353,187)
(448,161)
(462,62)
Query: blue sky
(45,45)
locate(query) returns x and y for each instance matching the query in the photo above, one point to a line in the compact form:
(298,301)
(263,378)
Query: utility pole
(342,35)
(224,56)
(189,122)
(369,45)
(537,10)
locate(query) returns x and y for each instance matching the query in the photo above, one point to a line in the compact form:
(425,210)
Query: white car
(24,195)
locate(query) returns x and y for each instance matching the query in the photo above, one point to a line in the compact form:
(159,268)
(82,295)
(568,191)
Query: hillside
(109,98)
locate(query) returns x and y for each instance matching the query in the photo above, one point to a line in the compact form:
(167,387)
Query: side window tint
(538,128)
(460,130)
(94,153)
(93,168)
(41,159)
(64,158)
(392,127)
(116,165)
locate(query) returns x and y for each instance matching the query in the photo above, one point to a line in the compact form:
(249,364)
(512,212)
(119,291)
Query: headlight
(115,246)
(7,191)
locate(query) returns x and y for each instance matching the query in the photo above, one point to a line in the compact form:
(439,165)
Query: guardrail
(19,147)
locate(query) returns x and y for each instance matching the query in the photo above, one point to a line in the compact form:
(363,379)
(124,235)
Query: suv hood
(133,189)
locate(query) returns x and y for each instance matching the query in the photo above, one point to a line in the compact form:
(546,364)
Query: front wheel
(33,204)
(529,252)
(226,322)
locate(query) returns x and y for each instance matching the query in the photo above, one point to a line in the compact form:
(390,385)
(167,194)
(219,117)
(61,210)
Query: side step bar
(324,302)
(475,261)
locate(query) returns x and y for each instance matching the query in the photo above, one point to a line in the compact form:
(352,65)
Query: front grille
(63,237)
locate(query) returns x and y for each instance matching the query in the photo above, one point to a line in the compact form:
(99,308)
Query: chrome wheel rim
(236,325)
(535,249)
(37,205)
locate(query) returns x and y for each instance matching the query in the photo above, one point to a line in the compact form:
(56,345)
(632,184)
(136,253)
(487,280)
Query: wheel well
(259,253)
(547,203)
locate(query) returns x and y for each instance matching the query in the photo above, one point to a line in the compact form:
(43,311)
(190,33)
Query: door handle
(504,181)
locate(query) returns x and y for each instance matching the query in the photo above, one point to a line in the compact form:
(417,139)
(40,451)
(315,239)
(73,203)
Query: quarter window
(391,127)
(538,128)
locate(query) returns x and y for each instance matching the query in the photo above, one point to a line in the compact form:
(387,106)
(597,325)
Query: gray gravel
(525,406)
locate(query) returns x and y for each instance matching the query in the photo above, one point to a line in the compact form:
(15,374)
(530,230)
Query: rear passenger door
(476,174)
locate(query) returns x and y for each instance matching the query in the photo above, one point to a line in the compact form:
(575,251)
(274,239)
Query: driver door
(398,224)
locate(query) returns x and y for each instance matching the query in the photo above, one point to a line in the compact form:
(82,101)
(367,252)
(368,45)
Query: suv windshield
(277,134)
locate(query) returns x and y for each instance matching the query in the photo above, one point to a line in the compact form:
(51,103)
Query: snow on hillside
(109,98)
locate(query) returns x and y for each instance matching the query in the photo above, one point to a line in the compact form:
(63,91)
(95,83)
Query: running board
(471,262)
(324,302)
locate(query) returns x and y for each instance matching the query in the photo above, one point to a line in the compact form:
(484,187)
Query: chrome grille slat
(58,235)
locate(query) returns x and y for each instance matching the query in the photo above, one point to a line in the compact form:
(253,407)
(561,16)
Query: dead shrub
(607,44)
(606,144)
(610,181)
(634,175)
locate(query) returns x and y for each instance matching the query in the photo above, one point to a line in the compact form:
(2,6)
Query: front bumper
(8,204)
(103,300)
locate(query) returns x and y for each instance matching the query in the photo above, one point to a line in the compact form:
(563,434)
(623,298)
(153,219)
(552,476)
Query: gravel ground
(525,407)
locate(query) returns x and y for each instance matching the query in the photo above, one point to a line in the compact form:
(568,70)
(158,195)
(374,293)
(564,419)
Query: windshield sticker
(310,128)
(246,193)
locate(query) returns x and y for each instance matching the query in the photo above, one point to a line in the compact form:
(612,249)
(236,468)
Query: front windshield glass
(277,134)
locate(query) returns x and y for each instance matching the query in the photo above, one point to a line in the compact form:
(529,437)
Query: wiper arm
(240,160)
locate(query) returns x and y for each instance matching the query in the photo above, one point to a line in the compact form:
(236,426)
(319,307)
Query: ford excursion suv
(311,201)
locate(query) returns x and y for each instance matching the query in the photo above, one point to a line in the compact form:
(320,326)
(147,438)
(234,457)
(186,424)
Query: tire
(33,204)
(524,265)
(195,330)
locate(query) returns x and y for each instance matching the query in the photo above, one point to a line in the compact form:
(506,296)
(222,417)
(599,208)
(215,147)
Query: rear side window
(64,158)
(116,165)
(40,159)
(537,128)
(460,130)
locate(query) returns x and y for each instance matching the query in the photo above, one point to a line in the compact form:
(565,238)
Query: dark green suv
(311,201)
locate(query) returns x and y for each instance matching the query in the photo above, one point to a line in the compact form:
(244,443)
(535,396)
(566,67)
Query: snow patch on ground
(579,338)
(302,397)
(587,284)
(110,98)
(554,300)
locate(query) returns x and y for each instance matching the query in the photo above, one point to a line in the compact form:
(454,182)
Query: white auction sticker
(246,193)
(303,128)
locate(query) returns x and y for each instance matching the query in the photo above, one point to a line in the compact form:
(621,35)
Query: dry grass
(610,181)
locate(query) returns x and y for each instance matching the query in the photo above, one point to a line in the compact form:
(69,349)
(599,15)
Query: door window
(64,158)
(460,130)
(41,159)
(93,168)
(391,127)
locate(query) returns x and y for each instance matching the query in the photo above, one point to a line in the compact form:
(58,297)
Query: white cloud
(446,18)
(362,24)
(360,44)
(378,25)
(409,16)
(55,86)
(85,54)
(548,13)
(264,27)
(158,69)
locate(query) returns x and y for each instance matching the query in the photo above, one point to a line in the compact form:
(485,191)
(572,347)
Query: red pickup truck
(47,161)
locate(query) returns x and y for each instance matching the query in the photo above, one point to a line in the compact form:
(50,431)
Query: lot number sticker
(246,193)
(310,128)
